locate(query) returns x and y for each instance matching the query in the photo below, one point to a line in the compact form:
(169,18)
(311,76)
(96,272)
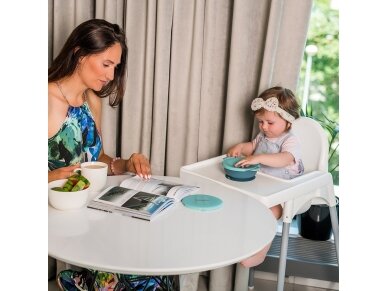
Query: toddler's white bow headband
(271,104)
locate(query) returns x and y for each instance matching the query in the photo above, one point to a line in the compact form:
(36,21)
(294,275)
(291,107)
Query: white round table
(180,241)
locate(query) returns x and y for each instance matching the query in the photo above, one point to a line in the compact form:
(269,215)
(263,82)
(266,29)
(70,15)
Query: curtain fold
(214,77)
(284,45)
(66,15)
(249,29)
(185,84)
(161,86)
(136,107)
(113,11)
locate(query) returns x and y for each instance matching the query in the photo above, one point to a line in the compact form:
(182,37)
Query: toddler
(275,148)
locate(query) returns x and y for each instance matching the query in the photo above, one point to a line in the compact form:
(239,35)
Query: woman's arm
(62,173)
(137,163)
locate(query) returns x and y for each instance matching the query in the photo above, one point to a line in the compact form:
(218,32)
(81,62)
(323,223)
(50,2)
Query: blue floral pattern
(78,140)
(90,280)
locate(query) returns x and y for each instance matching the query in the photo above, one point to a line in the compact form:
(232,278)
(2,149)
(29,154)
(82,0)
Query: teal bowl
(237,173)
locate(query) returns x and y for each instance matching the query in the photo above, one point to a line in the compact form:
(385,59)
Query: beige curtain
(193,68)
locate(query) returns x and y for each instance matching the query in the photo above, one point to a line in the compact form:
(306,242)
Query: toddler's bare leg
(259,257)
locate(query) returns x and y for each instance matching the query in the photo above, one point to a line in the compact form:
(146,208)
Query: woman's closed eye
(110,65)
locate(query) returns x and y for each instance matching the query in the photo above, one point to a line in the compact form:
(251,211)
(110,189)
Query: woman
(90,66)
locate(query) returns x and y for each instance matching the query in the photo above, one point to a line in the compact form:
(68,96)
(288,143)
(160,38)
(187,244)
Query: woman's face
(98,69)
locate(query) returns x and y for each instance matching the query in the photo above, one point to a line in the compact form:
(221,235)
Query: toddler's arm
(277,160)
(245,149)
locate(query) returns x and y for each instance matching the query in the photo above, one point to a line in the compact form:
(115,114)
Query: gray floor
(260,285)
(269,285)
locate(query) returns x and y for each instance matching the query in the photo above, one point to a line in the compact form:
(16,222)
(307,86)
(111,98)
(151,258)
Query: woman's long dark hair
(92,37)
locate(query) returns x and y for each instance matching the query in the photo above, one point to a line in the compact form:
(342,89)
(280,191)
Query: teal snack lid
(202,202)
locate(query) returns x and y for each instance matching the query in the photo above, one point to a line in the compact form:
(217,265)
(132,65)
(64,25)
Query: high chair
(315,186)
(315,149)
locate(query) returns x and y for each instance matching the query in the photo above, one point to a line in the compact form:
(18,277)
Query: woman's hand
(140,165)
(62,173)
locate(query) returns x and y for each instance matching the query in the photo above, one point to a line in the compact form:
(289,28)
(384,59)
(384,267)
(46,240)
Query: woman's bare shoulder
(57,109)
(54,96)
(94,103)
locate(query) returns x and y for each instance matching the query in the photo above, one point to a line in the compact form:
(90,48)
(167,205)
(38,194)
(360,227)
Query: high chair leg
(283,256)
(334,224)
(251,283)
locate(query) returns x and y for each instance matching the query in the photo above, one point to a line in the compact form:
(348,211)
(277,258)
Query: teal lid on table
(202,202)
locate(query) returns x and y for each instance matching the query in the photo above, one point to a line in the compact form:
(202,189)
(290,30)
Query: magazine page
(130,202)
(160,187)
(181,191)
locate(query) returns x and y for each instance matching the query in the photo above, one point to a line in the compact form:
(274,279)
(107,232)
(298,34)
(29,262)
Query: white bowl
(66,200)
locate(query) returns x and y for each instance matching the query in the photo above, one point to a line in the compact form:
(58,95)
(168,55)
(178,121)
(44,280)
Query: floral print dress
(89,280)
(77,141)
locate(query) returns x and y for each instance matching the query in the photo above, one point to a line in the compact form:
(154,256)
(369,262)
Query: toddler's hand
(234,151)
(251,160)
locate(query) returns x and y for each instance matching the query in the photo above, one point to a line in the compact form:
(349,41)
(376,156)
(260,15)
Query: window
(318,87)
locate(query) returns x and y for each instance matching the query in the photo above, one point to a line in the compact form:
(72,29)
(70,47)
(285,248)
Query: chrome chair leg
(334,224)
(251,283)
(283,256)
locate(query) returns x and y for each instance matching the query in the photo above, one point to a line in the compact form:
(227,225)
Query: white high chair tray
(269,190)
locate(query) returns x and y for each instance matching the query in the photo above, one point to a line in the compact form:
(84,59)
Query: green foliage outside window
(323,97)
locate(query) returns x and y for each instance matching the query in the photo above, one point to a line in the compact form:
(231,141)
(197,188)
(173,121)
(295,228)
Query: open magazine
(141,198)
